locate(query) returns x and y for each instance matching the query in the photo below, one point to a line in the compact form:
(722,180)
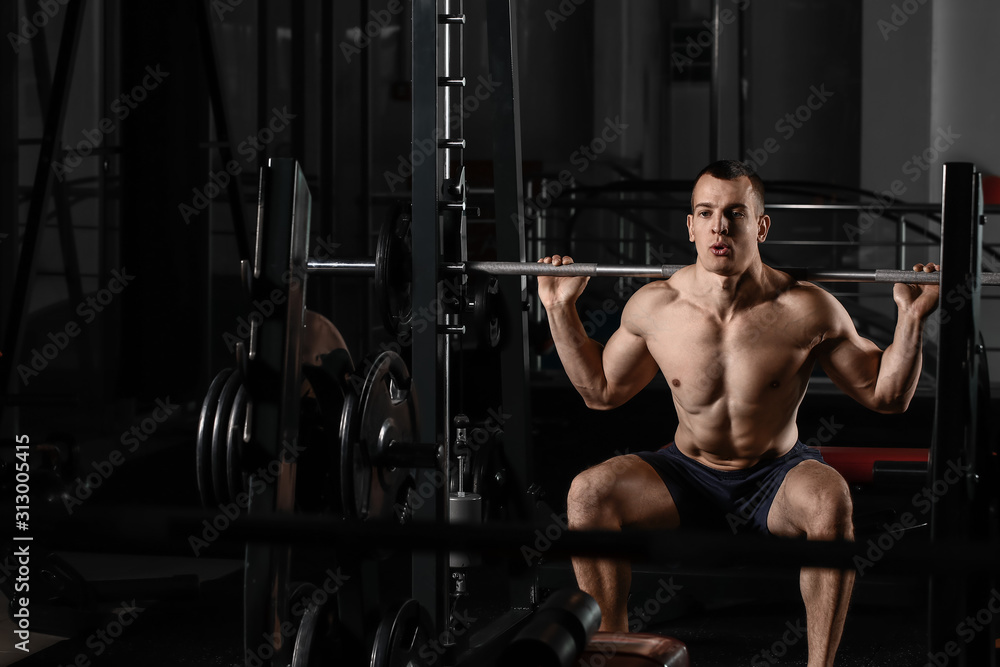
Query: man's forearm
(581,356)
(901,363)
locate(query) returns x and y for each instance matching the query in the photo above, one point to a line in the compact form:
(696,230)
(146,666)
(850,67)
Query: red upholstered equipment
(639,649)
(857,464)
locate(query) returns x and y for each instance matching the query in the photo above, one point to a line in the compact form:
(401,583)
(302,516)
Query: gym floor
(763,629)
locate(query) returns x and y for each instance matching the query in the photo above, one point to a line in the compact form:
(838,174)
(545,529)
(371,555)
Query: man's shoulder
(787,288)
(672,287)
(804,301)
(657,291)
(810,295)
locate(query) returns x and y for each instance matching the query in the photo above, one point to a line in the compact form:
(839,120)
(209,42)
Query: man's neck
(727,294)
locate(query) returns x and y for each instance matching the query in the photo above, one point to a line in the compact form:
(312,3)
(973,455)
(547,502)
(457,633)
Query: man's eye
(738,214)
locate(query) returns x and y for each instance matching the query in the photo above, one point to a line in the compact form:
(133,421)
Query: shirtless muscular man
(736,341)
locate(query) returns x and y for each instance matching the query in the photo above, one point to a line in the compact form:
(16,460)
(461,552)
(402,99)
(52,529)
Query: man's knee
(591,494)
(833,510)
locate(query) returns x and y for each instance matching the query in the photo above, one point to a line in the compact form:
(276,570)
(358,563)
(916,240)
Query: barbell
(392,270)
(360,267)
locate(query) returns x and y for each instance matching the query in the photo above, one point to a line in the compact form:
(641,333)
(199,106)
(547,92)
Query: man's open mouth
(719,249)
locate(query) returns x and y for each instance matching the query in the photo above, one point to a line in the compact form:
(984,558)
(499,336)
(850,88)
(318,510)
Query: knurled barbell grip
(575,269)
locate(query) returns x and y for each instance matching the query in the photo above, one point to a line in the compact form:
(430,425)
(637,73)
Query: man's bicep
(628,365)
(849,359)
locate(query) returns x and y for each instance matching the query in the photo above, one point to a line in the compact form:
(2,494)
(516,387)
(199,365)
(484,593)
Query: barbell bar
(366,267)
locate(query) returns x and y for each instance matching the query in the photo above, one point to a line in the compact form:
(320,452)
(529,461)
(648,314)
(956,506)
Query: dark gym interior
(237,256)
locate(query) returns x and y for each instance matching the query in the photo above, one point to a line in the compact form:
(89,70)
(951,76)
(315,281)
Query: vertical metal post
(222,125)
(743,39)
(453,228)
(509,205)
(327,138)
(301,36)
(363,233)
(954,596)
(714,85)
(263,65)
(366,131)
(430,570)
(444,67)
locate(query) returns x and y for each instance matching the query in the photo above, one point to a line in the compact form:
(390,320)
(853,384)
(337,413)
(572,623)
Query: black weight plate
(220,436)
(203,443)
(299,595)
(352,458)
(388,412)
(236,477)
(403,632)
(393,271)
(486,311)
(320,637)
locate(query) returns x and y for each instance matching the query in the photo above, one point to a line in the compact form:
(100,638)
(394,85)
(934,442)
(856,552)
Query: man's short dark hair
(731,170)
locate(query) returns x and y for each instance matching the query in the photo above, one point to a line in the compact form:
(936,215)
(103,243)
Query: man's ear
(690,231)
(763,225)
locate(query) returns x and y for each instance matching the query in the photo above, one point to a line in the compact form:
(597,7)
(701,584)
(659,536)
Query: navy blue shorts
(735,500)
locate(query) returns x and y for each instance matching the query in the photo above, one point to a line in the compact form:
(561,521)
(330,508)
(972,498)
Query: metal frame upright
(439,193)
(509,205)
(961,512)
(430,570)
(220,115)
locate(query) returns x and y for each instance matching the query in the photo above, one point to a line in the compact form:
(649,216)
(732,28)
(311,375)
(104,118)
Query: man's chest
(753,353)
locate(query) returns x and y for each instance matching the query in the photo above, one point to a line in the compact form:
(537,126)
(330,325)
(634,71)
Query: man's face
(726,224)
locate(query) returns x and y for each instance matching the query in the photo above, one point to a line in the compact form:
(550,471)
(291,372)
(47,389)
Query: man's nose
(720,225)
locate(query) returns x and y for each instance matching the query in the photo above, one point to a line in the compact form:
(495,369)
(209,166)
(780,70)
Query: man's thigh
(812,497)
(640,497)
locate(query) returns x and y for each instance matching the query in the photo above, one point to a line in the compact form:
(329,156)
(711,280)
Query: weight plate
(203,442)
(353,460)
(385,410)
(299,595)
(403,632)
(236,477)
(320,639)
(388,412)
(393,275)
(486,311)
(220,436)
